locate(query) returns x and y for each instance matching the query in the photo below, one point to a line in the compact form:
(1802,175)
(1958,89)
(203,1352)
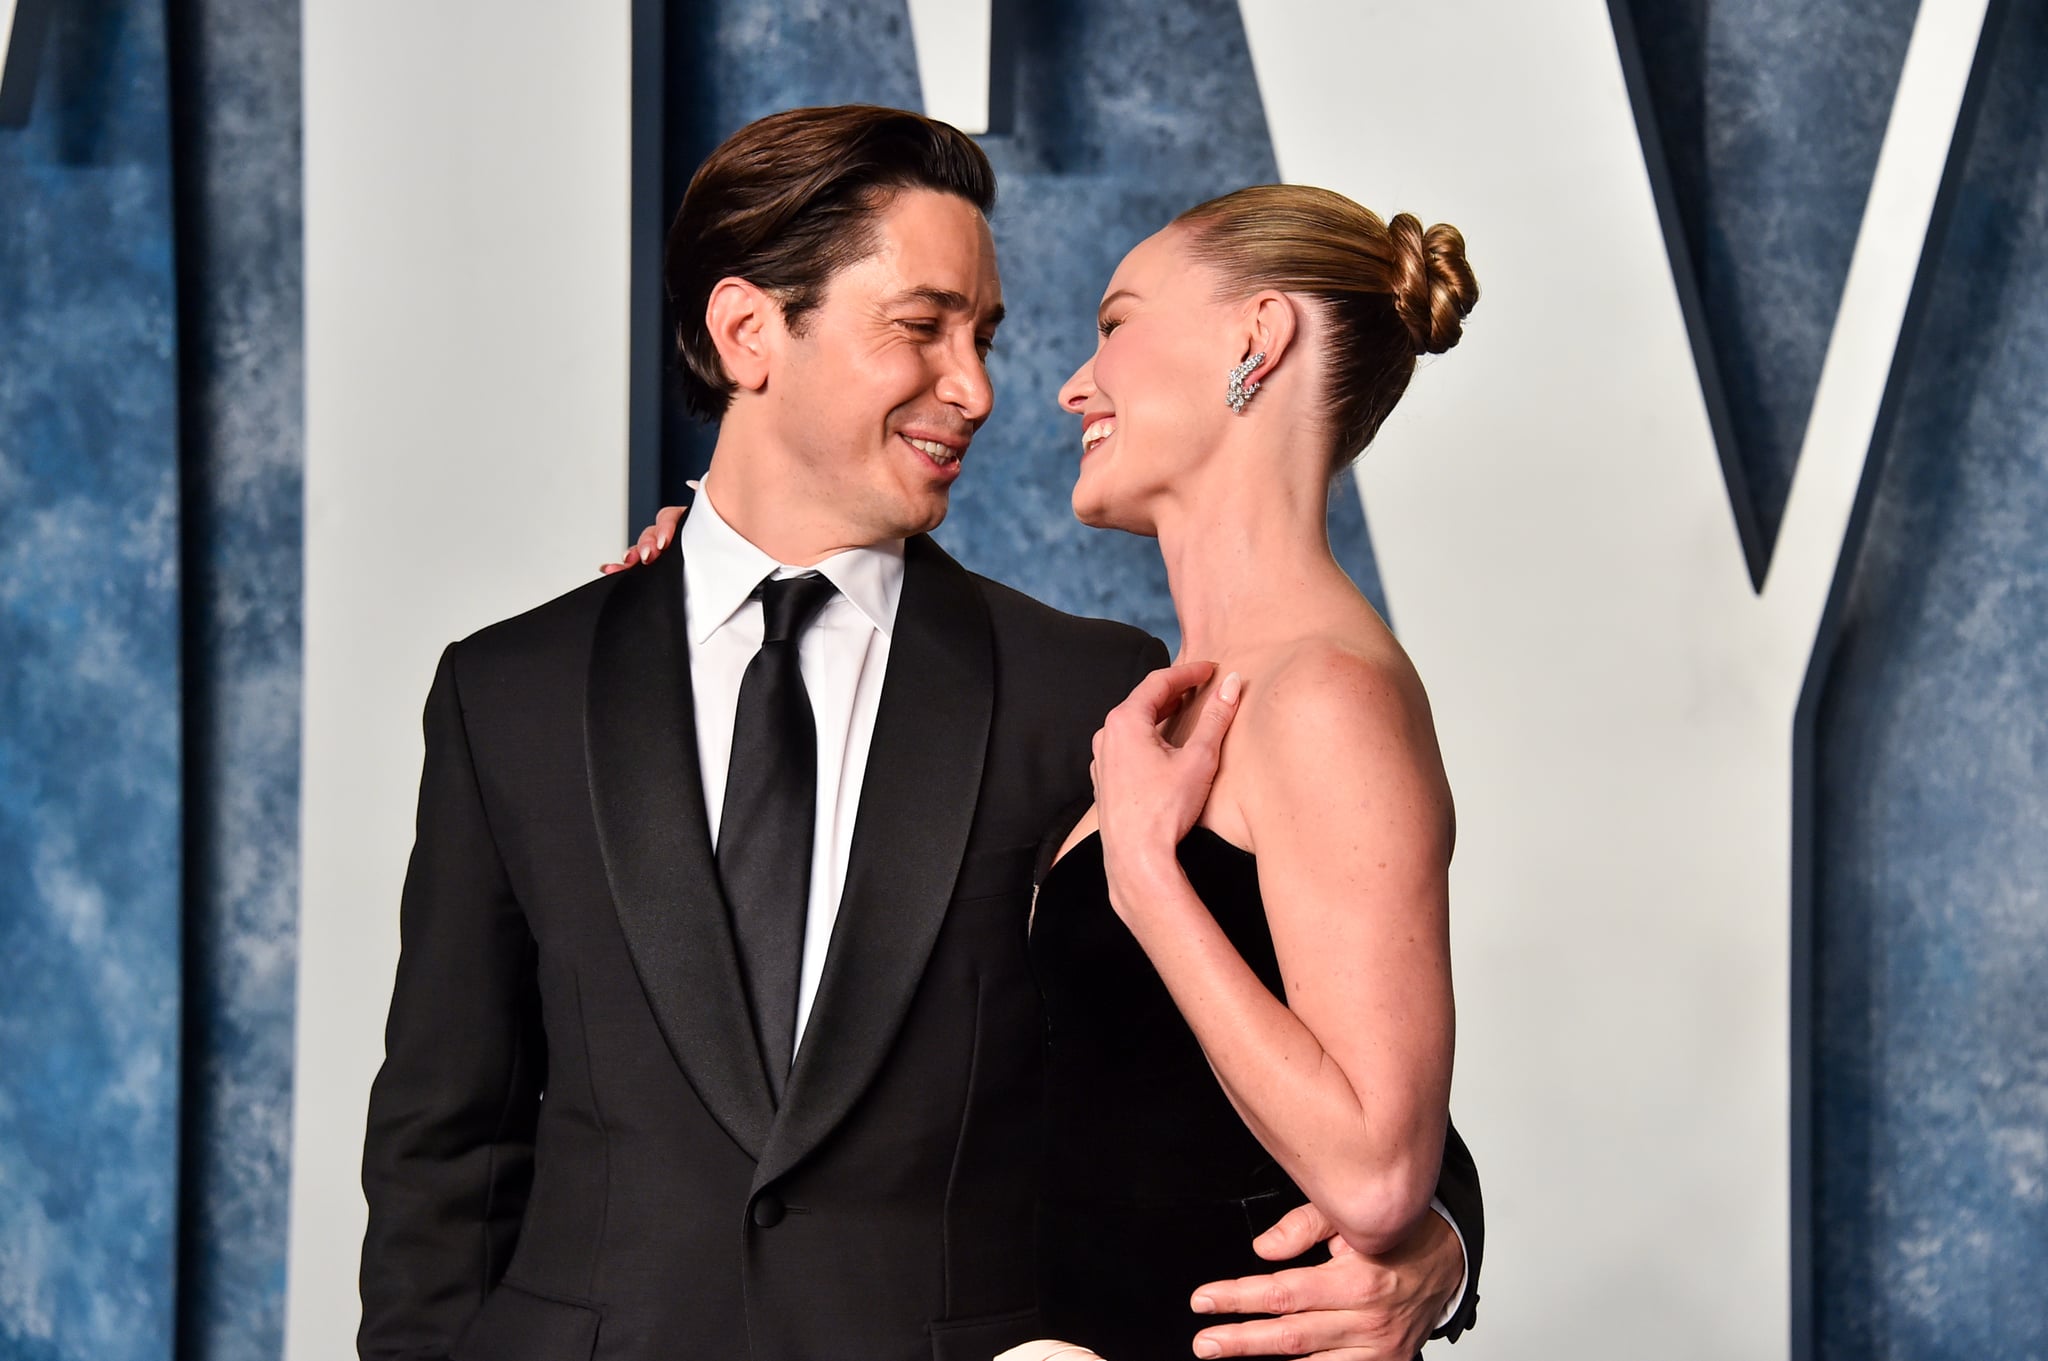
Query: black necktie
(764,833)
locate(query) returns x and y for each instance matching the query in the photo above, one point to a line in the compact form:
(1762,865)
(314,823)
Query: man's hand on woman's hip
(1353,1307)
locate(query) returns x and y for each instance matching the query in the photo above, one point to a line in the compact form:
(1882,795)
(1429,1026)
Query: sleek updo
(1389,291)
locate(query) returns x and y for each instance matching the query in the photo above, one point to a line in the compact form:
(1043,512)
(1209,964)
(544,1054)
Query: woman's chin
(1097,513)
(1092,510)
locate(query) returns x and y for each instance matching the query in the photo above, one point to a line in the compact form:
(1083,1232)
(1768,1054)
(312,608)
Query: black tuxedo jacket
(572,1148)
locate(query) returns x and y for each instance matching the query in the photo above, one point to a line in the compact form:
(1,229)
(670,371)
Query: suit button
(768,1211)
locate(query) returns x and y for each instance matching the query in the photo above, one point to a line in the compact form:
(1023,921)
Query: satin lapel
(640,742)
(916,805)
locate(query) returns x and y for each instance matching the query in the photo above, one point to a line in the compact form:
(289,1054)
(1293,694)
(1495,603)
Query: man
(713,1033)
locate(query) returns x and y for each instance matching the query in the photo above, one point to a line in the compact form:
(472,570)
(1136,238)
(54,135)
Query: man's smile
(942,450)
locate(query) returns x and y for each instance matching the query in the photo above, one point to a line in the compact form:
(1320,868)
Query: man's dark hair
(790,200)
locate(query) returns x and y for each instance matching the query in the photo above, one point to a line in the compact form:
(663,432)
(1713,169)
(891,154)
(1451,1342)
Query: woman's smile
(1094,431)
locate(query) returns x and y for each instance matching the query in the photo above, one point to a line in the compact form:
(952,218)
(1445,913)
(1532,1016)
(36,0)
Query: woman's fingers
(1206,741)
(1160,693)
(659,535)
(652,541)
(665,521)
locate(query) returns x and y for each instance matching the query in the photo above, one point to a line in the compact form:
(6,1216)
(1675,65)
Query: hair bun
(1434,288)
(1381,292)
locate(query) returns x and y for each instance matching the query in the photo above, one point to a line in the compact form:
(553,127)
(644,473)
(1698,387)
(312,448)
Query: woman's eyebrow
(1120,293)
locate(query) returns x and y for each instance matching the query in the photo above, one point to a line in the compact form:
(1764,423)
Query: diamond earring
(1241,391)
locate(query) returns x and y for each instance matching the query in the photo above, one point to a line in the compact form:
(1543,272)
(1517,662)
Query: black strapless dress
(1153,1185)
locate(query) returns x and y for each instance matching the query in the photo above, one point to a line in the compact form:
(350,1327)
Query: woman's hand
(1149,793)
(651,542)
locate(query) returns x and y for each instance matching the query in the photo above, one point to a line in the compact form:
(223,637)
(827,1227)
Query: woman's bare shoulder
(1336,722)
(1334,685)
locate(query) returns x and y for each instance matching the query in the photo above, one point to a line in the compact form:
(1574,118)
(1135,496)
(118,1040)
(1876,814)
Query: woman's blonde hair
(1388,291)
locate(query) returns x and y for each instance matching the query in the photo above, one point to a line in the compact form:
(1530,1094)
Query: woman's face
(1151,399)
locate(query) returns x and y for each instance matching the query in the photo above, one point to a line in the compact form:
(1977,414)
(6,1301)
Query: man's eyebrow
(946,300)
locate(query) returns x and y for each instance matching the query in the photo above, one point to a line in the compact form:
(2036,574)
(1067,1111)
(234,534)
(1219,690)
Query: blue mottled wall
(1932,790)
(1929,1036)
(89,700)
(235,81)
(149,621)
(1769,114)
(150,453)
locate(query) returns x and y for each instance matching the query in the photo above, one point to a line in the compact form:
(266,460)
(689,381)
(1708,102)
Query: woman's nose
(1076,391)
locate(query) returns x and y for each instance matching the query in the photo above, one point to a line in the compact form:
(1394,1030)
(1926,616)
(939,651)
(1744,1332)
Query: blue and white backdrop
(329,333)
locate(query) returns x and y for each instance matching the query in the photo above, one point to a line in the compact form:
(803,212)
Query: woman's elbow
(1375,1214)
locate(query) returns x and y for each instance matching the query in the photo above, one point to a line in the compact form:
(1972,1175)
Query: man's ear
(744,324)
(1272,321)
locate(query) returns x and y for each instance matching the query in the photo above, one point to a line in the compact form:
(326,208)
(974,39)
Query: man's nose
(965,386)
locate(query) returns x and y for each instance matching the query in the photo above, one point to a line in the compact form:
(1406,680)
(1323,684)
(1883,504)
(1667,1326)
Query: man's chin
(906,524)
(927,514)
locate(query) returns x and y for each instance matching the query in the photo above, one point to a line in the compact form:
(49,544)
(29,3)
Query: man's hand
(1351,1308)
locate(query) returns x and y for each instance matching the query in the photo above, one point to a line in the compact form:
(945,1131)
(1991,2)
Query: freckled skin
(1329,771)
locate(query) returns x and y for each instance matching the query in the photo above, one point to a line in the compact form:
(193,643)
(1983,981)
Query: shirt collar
(724,568)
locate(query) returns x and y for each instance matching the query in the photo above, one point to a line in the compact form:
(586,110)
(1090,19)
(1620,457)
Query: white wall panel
(466,281)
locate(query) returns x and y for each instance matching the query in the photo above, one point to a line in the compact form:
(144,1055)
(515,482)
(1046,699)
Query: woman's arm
(1347,1083)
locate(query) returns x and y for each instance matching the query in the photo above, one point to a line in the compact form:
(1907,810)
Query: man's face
(877,391)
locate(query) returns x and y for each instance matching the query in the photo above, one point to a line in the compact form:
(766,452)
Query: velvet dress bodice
(1153,1185)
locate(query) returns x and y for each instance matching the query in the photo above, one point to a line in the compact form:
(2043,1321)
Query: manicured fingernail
(1204,1347)
(1232,685)
(661,539)
(1202,1304)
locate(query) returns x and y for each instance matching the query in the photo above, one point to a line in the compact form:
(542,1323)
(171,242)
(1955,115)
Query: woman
(1243,945)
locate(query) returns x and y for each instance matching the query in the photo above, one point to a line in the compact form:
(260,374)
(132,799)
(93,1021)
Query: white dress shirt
(843,656)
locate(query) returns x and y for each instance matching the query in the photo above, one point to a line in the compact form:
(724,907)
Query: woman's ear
(742,321)
(1272,320)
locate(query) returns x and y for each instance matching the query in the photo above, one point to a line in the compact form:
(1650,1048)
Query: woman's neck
(1249,563)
